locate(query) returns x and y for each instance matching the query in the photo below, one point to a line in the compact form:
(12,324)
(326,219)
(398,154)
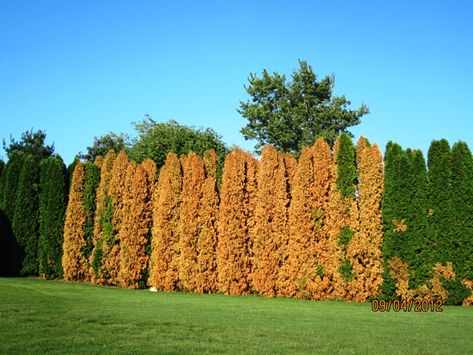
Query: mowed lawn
(38,316)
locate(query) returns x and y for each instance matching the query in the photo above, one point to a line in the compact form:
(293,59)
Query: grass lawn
(39,316)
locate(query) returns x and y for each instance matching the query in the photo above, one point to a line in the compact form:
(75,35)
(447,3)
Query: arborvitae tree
(11,178)
(11,253)
(25,222)
(236,223)
(111,245)
(52,209)
(74,264)
(440,200)
(99,218)
(364,250)
(164,272)
(92,178)
(462,224)
(416,222)
(301,258)
(206,278)
(271,228)
(193,179)
(343,216)
(395,208)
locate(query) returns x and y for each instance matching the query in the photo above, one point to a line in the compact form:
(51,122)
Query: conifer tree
(343,216)
(164,271)
(52,209)
(271,215)
(11,178)
(25,223)
(111,242)
(206,278)
(92,178)
(74,264)
(193,178)
(364,250)
(102,217)
(236,223)
(461,244)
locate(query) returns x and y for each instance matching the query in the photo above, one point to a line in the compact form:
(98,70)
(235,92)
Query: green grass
(39,316)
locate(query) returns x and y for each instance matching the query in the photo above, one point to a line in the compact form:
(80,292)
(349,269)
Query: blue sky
(80,69)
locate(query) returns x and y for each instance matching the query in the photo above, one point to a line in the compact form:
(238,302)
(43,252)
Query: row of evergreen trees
(333,224)
(33,200)
(428,221)
(308,229)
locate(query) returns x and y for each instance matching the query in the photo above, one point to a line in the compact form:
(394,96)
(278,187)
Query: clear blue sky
(80,69)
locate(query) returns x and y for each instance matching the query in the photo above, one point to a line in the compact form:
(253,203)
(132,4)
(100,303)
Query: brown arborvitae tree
(101,204)
(164,272)
(111,245)
(364,250)
(193,178)
(236,223)
(271,216)
(343,216)
(135,232)
(99,161)
(206,278)
(73,261)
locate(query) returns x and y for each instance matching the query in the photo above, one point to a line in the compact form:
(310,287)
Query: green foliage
(346,174)
(103,144)
(320,270)
(345,238)
(92,178)
(457,292)
(10,179)
(107,222)
(31,143)
(462,204)
(25,218)
(11,254)
(155,140)
(346,270)
(440,202)
(2,166)
(52,209)
(291,115)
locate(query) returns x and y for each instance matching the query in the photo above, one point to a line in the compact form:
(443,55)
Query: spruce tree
(25,222)
(52,208)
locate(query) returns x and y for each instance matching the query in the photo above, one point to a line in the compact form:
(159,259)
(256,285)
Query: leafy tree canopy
(155,140)
(292,114)
(103,144)
(30,142)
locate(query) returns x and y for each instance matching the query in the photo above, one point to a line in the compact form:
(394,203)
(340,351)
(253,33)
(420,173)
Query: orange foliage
(271,216)
(206,278)
(193,178)
(102,193)
(365,247)
(236,223)
(135,232)
(164,272)
(469,300)
(73,262)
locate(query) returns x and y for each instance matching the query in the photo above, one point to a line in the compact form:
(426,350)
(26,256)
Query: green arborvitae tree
(92,178)
(440,202)
(416,221)
(10,180)
(346,168)
(462,222)
(396,200)
(25,218)
(52,209)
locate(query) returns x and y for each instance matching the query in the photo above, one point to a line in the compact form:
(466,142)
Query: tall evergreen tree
(74,264)
(10,181)
(52,208)
(25,222)
(164,263)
